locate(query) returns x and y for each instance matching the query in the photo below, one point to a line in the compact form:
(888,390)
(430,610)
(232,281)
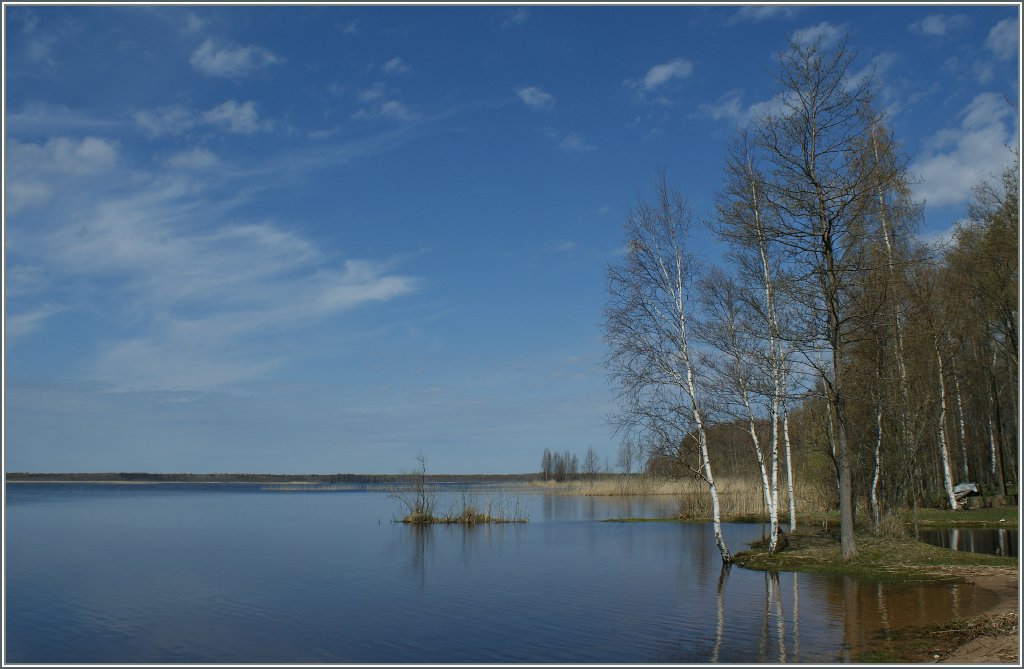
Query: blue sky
(321,239)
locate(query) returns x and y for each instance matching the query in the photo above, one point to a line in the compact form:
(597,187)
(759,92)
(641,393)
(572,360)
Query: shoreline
(989,648)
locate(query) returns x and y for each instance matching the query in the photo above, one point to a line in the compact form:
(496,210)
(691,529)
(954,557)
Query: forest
(833,342)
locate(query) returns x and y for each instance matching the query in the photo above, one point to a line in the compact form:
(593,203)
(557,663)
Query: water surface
(237,573)
(992,541)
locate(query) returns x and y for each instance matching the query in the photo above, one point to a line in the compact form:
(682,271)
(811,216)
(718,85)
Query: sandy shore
(1001,649)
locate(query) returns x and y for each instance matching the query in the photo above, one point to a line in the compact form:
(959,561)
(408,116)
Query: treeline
(832,334)
(130,477)
(565,466)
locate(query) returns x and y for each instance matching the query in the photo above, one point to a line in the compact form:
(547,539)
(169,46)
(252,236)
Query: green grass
(878,558)
(989,517)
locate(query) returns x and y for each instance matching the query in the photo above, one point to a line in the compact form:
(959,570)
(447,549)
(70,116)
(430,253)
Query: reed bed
(739,497)
(465,508)
(310,487)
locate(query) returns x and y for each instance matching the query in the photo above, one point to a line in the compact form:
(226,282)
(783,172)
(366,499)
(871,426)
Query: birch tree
(647,320)
(820,194)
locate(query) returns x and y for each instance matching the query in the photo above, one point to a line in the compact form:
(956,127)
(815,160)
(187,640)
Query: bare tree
(591,464)
(627,455)
(819,193)
(646,321)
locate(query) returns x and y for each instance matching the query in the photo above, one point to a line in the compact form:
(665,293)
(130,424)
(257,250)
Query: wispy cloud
(44,118)
(231,116)
(563,247)
(193,159)
(679,68)
(238,118)
(18,325)
(825,32)
(937,25)
(516,17)
(535,98)
(63,155)
(374,92)
(35,169)
(204,296)
(348,27)
(397,111)
(378,101)
(194,24)
(575,143)
(222,60)
(730,107)
(1003,39)
(395,66)
(954,160)
(758,13)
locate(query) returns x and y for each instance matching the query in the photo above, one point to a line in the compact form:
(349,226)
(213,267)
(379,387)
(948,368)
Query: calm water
(974,540)
(234,573)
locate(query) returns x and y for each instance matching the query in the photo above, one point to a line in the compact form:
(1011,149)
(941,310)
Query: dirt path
(1000,648)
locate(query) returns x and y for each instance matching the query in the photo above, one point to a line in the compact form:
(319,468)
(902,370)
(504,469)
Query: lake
(239,573)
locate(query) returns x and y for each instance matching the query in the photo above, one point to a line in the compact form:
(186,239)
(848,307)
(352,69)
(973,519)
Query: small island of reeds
(421,503)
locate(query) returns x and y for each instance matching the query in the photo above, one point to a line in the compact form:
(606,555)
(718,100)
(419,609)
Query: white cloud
(24,193)
(397,111)
(232,116)
(35,171)
(954,160)
(62,155)
(680,68)
(1002,40)
(758,13)
(372,93)
(193,159)
(40,50)
(827,32)
(730,106)
(217,60)
(877,68)
(194,24)
(165,120)
(516,18)
(535,98)
(395,66)
(206,298)
(41,118)
(348,27)
(21,324)
(563,247)
(575,143)
(391,109)
(240,119)
(937,25)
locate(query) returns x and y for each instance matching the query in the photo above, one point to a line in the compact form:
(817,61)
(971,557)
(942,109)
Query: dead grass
(932,644)
(740,498)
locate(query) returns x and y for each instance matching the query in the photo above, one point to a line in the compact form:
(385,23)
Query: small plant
(418,500)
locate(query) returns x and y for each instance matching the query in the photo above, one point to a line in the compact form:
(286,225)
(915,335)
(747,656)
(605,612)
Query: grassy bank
(878,558)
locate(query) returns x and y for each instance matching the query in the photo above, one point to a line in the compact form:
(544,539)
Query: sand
(1001,649)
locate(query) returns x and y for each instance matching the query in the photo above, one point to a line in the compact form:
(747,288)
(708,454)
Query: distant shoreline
(294,479)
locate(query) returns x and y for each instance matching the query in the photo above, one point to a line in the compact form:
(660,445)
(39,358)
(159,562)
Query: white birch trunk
(698,418)
(992,446)
(876,515)
(947,474)
(789,471)
(765,485)
(964,466)
(775,357)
